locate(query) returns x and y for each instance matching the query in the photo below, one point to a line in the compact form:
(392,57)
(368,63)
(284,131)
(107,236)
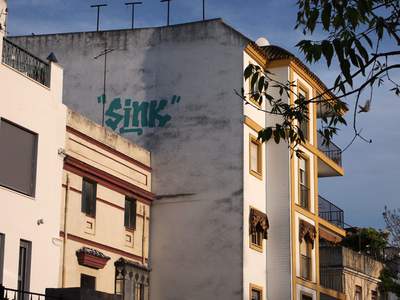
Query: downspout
(143,232)
(65,232)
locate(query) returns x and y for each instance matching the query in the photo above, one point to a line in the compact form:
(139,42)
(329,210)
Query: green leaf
(362,50)
(327,51)
(326,16)
(248,71)
(276,137)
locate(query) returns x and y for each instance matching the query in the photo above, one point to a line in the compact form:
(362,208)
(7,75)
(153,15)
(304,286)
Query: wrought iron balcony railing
(305,267)
(330,212)
(332,151)
(304,196)
(25,62)
(332,279)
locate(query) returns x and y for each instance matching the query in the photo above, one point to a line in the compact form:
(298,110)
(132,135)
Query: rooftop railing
(330,212)
(25,62)
(330,150)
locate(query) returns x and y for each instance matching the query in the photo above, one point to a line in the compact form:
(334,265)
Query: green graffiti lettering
(154,113)
(142,108)
(115,118)
(135,115)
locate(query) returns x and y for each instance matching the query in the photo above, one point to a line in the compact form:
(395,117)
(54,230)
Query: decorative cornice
(258,222)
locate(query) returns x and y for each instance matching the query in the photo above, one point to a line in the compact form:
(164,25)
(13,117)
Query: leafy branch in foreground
(353,32)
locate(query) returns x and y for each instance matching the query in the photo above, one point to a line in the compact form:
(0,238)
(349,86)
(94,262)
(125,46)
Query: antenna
(133,11)
(98,12)
(168,9)
(103,97)
(204,10)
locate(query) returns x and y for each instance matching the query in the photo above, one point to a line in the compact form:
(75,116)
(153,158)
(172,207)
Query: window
(374,295)
(255,162)
(253,93)
(88,282)
(18,153)
(24,266)
(89,191)
(305,259)
(2,240)
(304,182)
(256,292)
(304,125)
(306,297)
(358,295)
(130,213)
(258,228)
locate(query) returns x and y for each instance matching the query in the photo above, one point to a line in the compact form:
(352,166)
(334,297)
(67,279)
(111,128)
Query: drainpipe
(65,232)
(143,232)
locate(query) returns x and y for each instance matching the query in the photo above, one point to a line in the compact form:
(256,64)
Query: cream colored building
(105,211)
(32,132)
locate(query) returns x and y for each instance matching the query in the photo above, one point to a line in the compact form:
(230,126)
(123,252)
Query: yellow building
(105,211)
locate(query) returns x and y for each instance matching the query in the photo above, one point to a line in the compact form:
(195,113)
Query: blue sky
(372,170)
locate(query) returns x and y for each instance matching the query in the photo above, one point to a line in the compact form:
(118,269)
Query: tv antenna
(98,12)
(168,9)
(204,10)
(133,11)
(103,98)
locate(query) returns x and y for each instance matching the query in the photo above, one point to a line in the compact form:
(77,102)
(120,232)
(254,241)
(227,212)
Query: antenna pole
(204,10)
(168,11)
(133,11)
(103,97)
(98,13)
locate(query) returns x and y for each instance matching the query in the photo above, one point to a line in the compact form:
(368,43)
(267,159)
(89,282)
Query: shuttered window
(88,282)
(130,213)
(89,194)
(18,153)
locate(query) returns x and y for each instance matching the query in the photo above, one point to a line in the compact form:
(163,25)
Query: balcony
(330,212)
(330,162)
(335,260)
(26,63)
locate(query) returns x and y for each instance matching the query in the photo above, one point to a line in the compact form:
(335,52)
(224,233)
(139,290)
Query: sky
(372,171)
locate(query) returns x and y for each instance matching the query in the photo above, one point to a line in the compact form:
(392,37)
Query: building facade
(234,218)
(105,213)
(32,132)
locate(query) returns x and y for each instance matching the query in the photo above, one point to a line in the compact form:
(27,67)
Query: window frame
(306,158)
(32,192)
(305,90)
(358,289)
(309,255)
(258,288)
(87,210)
(24,283)
(258,247)
(83,275)
(259,172)
(2,254)
(131,226)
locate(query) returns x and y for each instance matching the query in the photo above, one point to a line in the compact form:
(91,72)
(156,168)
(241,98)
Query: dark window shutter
(89,195)
(18,156)
(130,213)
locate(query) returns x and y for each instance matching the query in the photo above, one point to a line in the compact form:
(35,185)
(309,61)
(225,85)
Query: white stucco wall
(39,109)
(197,222)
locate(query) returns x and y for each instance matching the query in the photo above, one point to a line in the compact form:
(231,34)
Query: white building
(32,130)
(220,192)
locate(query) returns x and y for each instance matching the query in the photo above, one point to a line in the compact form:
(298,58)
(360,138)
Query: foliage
(367,240)
(353,32)
(392,220)
(388,282)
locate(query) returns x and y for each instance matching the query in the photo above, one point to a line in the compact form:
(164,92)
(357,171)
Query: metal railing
(305,267)
(332,279)
(12,294)
(330,150)
(330,212)
(25,62)
(304,196)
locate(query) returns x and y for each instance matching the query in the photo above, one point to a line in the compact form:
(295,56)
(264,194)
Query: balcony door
(24,268)
(304,183)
